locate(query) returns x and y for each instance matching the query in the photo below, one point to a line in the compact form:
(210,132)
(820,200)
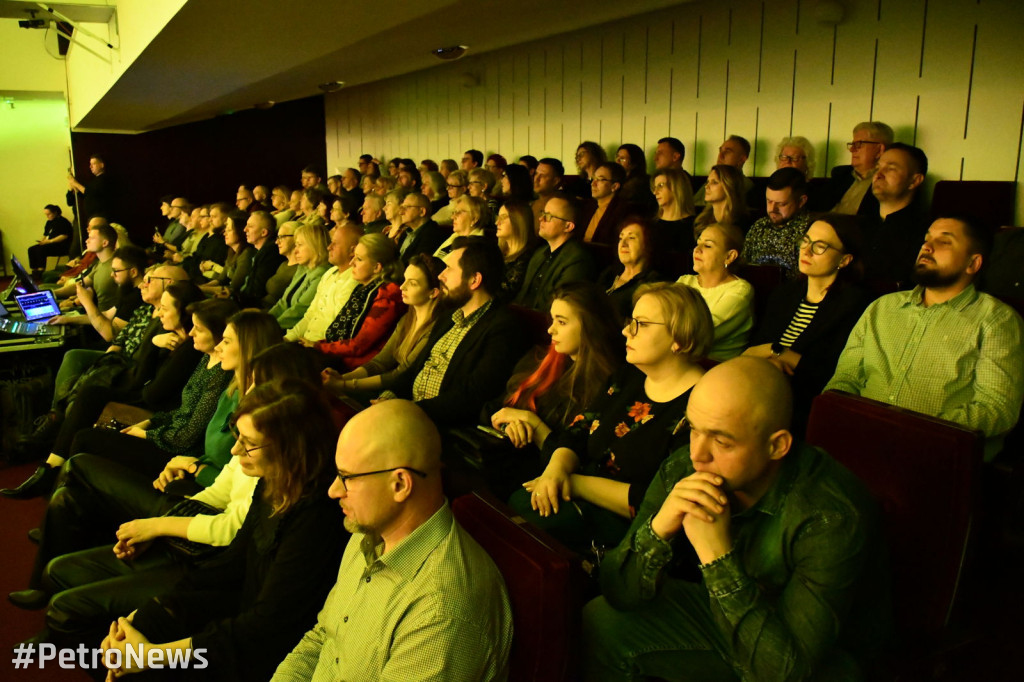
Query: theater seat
(545,586)
(765,279)
(925,473)
(534,322)
(989,201)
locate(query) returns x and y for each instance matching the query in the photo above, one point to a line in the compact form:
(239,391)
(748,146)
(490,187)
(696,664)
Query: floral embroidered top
(624,435)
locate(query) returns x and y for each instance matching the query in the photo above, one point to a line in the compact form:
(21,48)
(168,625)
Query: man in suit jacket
(471,353)
(421,234)
(562,260)
(849,187)
(260,231)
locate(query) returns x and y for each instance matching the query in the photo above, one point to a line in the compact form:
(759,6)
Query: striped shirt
(434,607)
(801,320)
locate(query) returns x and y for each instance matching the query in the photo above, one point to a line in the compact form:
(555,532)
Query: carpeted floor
(17,552)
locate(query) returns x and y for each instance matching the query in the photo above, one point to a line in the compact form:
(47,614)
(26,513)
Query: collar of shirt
(966,297)
(408,556)
(460,319)
(774,499)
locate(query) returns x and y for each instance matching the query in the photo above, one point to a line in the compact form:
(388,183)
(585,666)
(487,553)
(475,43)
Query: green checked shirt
(961,360)
(428,382)
(434,607)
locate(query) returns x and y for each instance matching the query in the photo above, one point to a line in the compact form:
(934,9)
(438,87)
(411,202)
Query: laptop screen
(26,285)
(38,307)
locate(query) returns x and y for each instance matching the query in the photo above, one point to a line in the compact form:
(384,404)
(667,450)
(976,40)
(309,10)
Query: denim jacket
(805,586)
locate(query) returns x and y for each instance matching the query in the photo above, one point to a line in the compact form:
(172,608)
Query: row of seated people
(599,450)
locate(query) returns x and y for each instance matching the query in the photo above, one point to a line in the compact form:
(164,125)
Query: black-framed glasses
(345,478)
(634,325)
(791,159)
(451,186)
(117,270)
(233,428)
(149,278)
(817,248)
(857,144)
(284,236)
(551,216)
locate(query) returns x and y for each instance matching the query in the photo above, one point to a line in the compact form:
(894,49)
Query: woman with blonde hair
(730,299)
(599,467)
(455,184)
(673,226)
(724,200)
(469,217)
(421,293)
(310,256)
(481,184)
(373,309)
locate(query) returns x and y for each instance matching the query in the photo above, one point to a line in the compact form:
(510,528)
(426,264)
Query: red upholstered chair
(764,279)
(545,586)
(603,255)
(535,322)
(925,473)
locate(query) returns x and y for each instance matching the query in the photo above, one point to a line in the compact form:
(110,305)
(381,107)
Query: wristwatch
(777,350)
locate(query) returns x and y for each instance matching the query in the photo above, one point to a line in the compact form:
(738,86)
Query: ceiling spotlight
(333,86)
(449,53)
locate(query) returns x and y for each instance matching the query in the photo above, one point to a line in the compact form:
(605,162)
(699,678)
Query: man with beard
(128,269)
(473,351)
(774,239)
(943,348)
(416,597)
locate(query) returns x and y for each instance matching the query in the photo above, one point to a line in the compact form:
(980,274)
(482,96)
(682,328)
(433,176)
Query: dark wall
(208,160)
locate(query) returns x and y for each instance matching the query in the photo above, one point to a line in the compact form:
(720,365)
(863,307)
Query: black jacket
(478,370)
(264,265)
(425,239)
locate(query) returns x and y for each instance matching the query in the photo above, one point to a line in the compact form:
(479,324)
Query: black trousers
(37,253)
(85,410)
(92,588)
(97,494)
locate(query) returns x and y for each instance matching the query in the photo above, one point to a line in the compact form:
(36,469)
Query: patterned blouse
(625,435)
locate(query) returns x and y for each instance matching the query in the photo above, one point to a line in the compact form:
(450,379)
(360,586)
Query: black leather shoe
(30,600)
(38,484)
(35,535)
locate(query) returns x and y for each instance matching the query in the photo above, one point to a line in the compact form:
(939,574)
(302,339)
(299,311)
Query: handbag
(192,550)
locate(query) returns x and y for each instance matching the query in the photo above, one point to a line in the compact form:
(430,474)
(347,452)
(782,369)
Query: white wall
(945,74)
(91,75)
(34,146)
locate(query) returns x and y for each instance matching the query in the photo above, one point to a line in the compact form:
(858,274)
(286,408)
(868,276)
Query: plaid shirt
(428,382)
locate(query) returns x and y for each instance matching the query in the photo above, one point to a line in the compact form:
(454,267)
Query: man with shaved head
(751,556)
(416,597)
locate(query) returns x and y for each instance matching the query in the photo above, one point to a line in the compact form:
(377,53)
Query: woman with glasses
(517,238)
(310,255)
(796,152)
(807,322)
(373,309)
(226,281)
(469,217)
(481,184)
(598,468)
(673,226)
(248,608)
(456,185)
(730,298)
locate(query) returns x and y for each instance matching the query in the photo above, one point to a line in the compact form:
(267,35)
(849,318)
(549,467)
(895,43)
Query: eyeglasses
(451,186)
(345,478)
(791,159)
(551,216)
(284,236)
(149,278)
(634,325)
(248,451)
(817,248)
(660,185)
(857,144)
(117,270)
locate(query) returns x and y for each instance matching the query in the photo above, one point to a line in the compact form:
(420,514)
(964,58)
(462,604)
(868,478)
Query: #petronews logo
(134,657)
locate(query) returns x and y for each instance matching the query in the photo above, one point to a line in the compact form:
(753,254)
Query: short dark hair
(742,142)
(980,234)
(414,173)
(107,234)
(790,178)
(617,171)
(916,154)
(268,222)
(530,161)
(676,144)
(482,255)
(132,257)
(477,155)
(213,313)
(572,209)
(406,164)
(98,157)
(52,208)
(366,158)
(312,170)
(555,164)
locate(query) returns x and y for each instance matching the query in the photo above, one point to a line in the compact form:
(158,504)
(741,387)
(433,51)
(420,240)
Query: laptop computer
(36,308)
(21,283)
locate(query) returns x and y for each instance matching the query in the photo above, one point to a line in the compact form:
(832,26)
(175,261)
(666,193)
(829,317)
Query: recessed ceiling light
(333,86)
(449,53)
